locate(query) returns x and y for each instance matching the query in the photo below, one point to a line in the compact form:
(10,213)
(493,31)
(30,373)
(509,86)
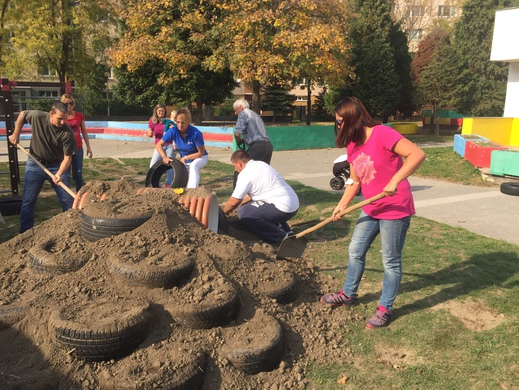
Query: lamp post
(108,91)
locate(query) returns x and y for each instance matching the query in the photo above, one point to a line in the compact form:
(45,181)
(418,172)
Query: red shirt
(75,125)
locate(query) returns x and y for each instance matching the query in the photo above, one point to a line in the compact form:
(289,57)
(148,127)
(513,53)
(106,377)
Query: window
(446,11)
(301,99)
(415,11)
(416,35)
(48,94)
(47,72)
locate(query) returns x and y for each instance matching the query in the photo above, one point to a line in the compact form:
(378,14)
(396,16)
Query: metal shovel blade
(292,247)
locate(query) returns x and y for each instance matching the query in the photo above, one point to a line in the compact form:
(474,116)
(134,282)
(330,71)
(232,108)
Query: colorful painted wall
(504,131)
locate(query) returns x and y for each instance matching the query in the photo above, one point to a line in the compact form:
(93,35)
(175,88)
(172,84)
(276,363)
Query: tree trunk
(199,112)
(437,127)
(308,102)
(256,90)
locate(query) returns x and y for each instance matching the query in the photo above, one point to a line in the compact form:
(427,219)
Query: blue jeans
(265,220)
(33,182)
(392,236)
(77,168)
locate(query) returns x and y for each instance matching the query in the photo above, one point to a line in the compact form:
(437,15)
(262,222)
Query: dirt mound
(164,303)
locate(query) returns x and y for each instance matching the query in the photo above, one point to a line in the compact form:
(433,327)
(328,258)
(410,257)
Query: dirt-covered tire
(10,205)
(44,262)
(204,316)
(285,291)
(510,188)
(10,315)
(152,276)
(255,359)
(93,342)
(190,377)
(94,229)
(180,174)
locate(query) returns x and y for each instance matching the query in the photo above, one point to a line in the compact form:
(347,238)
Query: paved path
(485,211)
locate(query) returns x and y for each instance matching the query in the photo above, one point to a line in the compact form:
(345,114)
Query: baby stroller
(341,171)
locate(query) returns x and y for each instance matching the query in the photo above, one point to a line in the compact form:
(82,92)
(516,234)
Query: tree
(425,52)
(282,41)
(438,79)
(320,112)
(377,82)
(276,99)
(62,36)
(481,84)
(176,34)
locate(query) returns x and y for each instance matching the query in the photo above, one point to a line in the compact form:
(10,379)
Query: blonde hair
(185,113)
(67,96)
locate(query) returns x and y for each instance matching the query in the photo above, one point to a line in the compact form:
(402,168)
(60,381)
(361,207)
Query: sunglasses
(339,121)
(69,104)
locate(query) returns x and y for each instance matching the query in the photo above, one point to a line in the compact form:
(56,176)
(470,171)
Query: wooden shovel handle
(47,171)
(342,213)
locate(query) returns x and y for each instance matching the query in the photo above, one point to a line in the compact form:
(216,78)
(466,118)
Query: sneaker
(338,299)
(381,318)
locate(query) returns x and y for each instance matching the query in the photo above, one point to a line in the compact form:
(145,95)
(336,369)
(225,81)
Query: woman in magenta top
(76,121)
(156,130)
(375,153)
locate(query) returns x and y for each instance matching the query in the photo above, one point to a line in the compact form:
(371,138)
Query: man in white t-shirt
(267,201)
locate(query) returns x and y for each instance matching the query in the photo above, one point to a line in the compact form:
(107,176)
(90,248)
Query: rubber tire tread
(10,205)
(207,317)
(97,345)
(44,262)
(252,361)
(180,176)
(10,315)
(94,229)
(161,277)
(510,188)
(286,293)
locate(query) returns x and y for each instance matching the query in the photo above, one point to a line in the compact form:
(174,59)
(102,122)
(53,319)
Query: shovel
(72,193)
(294,246)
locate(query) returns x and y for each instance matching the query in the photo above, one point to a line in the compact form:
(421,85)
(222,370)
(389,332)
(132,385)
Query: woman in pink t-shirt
(156,130)
(76,121)
(375,153)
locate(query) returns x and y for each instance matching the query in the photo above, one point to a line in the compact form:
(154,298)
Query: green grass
(426,346)
(443,163)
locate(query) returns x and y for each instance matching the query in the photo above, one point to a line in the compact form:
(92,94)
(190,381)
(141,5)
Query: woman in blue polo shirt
(190,144)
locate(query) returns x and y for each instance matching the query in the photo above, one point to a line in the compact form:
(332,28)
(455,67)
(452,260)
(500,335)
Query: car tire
(180,175)
(10,315)
(510,188)
(206,317)
(93,342)
(10,205)
(94,229)
(42,261)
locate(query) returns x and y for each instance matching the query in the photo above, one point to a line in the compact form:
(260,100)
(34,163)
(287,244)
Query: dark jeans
(77,168)
(265,220)
(259,151)
(33,182)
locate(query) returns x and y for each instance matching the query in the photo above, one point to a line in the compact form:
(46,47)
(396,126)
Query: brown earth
(59,290)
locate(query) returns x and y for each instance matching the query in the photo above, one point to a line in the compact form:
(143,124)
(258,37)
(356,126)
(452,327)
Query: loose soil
(52,271)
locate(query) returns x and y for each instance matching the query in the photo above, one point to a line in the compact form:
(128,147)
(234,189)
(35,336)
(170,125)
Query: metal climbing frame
(7,103)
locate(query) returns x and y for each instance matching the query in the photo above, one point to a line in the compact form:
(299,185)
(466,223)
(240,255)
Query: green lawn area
(456,324)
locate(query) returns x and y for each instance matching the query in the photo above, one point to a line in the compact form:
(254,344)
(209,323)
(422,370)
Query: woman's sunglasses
(339,121)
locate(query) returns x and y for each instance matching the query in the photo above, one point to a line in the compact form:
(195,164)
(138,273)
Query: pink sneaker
(381,318)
